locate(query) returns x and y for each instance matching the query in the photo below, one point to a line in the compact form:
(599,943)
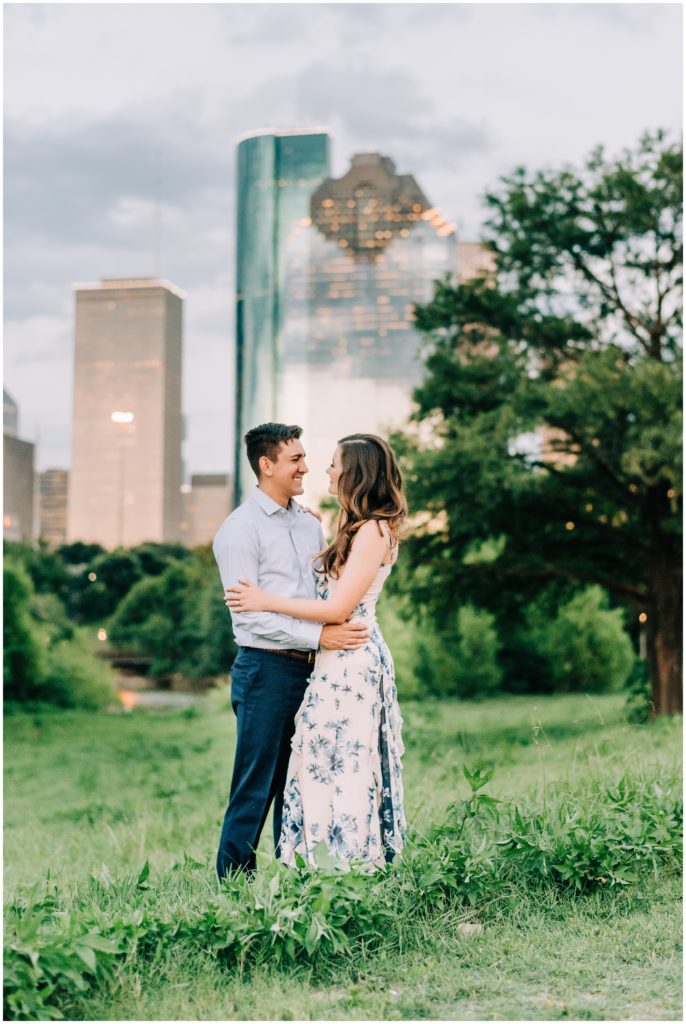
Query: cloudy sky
(111,109)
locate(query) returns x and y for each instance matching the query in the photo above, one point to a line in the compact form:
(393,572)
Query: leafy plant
(586,646)
(49,961)
(478,673)
(179,619)
(75,678)
(24,660)
(570,841)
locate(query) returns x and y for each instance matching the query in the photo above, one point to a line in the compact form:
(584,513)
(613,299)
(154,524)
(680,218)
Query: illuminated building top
(369,206)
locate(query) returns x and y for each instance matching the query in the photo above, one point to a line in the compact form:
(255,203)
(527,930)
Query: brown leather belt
(307,656)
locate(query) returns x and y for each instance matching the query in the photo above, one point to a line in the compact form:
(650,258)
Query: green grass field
(87,790)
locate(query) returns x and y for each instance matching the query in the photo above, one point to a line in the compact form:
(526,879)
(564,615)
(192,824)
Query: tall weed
(59,945)
(576,841)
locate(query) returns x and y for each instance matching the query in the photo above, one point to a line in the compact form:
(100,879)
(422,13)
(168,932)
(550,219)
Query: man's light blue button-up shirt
(273,547)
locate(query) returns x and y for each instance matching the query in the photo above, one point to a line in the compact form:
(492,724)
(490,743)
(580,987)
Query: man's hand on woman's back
(346,637)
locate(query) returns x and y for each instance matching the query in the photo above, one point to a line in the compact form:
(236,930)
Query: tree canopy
(548,440)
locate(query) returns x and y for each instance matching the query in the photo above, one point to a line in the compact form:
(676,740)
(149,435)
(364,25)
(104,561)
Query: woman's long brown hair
(370,487)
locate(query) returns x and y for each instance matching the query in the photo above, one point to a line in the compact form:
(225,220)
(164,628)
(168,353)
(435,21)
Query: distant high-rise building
(10,414)
(277,174)
(54,485)
(18,512)
(342,351)
(209,503)
(18,489)
(125,479)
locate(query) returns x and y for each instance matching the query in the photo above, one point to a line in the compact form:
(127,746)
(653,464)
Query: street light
(124,418)
(642,636)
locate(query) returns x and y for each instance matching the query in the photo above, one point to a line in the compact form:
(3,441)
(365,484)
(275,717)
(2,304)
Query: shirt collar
(268,504)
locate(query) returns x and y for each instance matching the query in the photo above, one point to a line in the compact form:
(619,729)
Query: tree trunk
(664,632)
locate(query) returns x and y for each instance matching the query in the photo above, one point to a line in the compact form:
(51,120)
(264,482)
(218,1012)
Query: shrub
(586,645)
(153,619)
(154,557)
(115,572)
(45,661)
(180,620)
(462,662)
(402,637)
(24,653)
(48,572)
(477,671)
(216,647)
(78,552)
(639,703)
(524,621)
(75,678)
(435,664)
(51,616)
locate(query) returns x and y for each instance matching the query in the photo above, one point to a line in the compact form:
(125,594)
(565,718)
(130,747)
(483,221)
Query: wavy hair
(370,487)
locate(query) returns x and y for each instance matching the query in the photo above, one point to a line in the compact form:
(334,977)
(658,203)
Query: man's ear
(266,466)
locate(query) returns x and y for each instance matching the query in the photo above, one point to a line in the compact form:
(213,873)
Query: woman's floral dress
(344,784)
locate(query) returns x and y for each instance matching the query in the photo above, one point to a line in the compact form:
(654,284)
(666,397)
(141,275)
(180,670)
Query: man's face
(286,474)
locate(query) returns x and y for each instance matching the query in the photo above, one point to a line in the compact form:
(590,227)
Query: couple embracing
(313,686)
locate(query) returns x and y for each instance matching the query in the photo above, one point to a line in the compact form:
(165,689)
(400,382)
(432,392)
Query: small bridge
(127,659)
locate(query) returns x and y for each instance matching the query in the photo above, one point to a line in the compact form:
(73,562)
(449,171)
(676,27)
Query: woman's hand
(246,598)
(313,512)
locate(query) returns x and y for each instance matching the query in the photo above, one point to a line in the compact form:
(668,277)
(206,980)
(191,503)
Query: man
(270,540)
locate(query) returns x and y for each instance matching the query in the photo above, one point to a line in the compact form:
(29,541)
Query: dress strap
(392,541)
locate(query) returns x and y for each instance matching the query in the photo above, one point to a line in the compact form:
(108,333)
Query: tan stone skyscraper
(125,479)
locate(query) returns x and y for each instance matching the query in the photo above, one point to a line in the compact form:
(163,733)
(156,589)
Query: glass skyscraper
(358,252)
(277,174)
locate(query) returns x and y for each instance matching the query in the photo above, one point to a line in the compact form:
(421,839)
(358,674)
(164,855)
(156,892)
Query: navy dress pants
(266,692)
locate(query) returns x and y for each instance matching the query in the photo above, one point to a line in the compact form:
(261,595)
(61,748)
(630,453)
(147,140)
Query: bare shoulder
(371,528)
(371,536)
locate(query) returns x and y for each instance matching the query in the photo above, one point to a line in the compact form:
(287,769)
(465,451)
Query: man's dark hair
(267,440)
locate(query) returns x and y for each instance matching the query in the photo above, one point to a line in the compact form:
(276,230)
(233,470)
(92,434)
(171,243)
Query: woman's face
(334,471)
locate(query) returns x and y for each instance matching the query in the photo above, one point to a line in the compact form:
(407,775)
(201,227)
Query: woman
(344,785)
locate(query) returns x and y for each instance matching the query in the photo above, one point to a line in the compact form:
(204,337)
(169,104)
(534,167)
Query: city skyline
(447,96)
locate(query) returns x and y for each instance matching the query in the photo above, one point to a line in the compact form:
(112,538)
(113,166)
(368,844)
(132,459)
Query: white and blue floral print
(344,782)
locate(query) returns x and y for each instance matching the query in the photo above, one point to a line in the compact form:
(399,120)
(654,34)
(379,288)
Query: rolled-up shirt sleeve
(236,551)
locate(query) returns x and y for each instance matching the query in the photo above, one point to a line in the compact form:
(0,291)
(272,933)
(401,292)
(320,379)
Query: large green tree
(549,441)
